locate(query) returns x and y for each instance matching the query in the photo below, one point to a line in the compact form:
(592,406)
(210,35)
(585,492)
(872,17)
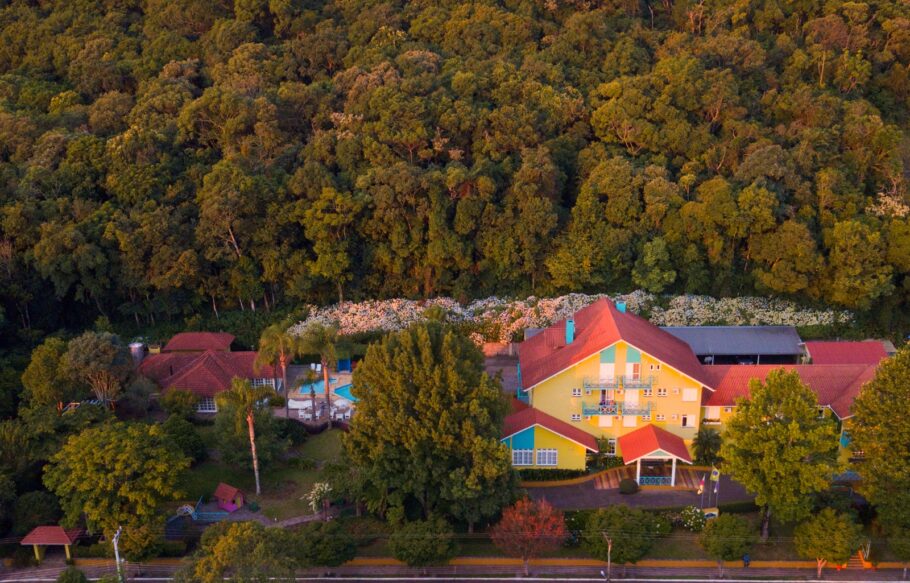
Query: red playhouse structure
(229,498)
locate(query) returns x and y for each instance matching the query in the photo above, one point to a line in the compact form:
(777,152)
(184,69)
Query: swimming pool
(344,392)
(318,386)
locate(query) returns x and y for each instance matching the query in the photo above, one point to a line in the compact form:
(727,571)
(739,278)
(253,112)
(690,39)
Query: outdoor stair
(856,562)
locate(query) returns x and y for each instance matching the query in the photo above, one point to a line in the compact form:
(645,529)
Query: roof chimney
(621,306)
(570,330)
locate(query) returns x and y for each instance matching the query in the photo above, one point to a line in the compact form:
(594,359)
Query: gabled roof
(205,374)
(51,535)
(866,352)
(529,417)
(199,342)
(649,439)
(226,491)
(597,327)
(836,385)
(739,340)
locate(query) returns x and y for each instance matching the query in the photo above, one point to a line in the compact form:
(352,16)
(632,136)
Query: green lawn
(283,485)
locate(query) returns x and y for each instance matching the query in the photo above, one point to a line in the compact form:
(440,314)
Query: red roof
(518,405)
(205,374)
(836,385)
(530,417)
(647,440)
(226,492)
(867,352)
(597,327)
(51,535)
(199,342)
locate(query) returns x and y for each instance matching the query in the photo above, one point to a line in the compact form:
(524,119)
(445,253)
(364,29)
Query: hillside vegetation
(164,157)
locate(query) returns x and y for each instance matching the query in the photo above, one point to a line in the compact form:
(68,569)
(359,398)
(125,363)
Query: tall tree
(528,529)
(245,552)
(779,448)
(100,360)
(45,379)
(423,543)
(116,474)
(428,424)
(278,346)
(243,399)
(878,428)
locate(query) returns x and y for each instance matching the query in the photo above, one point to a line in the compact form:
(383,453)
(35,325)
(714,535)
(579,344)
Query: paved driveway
(587,495)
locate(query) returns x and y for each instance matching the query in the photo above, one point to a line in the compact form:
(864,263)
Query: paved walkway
(592,494)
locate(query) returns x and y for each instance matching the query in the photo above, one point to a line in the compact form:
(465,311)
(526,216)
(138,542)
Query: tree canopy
(880,429)
(779,447)
(162,158)
(428,425)
(827,537)
(116,474)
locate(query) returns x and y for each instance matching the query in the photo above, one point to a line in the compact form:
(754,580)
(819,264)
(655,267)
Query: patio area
(304,406)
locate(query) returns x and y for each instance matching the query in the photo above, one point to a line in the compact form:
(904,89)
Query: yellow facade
(674,399)
(570,455)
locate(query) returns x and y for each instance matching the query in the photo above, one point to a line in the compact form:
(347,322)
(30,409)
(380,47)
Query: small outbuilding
(228,497)
(51,536)
(741,344)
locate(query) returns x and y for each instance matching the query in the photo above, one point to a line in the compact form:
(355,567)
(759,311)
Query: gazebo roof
(51,536)
(651,441)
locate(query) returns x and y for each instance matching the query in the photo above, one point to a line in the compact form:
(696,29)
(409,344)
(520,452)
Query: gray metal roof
(739,340)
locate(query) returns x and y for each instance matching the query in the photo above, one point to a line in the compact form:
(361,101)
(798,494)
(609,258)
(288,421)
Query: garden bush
(301,463)
(71,575)
(180,402)
(94,551)
(184,435)
(539,475)
(692,519)
(292,430)
(628,486)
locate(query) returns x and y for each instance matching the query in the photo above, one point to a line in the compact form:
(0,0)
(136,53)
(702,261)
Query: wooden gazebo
(51,536)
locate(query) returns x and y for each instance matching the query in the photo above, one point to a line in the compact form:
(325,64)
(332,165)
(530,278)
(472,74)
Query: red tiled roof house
(201,362)
(605,373)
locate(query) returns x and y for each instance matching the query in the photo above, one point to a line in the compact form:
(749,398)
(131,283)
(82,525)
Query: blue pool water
(345,392)
(318,386)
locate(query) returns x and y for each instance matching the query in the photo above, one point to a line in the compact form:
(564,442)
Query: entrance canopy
(653,443)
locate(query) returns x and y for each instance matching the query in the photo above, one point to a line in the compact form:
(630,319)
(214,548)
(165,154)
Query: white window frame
(611,447)
(728,409)
(547,457)
(655,367)
(646,418)
(262,382)
(684,421)
(522,457)
(647,392)
(690,395)
(576,392)
(660,417)
(206,405)
(661,392)
(576,416)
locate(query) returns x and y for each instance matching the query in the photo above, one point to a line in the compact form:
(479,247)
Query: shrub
(628,486)
(172,548)
(661,525)
(23,557)
(277,401)
(95,551)
(71,575)
(692,519)
(541,475)
(180,402)
(184,436)
(301,463)
(365,530)
(324,544)
(292,430)
(253,506)
(423,542)
(34,509)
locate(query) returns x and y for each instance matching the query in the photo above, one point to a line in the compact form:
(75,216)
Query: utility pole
(117,554)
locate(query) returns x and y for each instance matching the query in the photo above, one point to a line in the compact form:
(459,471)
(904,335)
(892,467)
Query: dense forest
(166,157)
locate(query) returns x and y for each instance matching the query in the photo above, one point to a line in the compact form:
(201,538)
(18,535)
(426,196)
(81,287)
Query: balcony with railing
(616,408)
(627,382)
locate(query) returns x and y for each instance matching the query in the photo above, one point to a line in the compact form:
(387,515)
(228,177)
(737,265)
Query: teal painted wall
(608,355)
